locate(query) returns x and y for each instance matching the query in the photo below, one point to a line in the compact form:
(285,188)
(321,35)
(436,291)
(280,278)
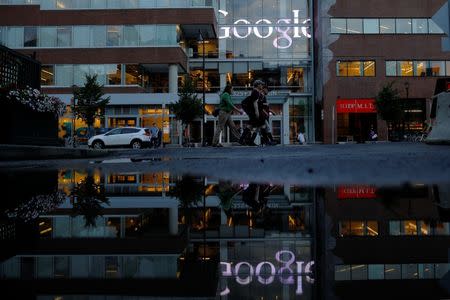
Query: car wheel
(98,145)
(136,144)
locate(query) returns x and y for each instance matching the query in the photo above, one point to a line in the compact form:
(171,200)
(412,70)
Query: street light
(201,39)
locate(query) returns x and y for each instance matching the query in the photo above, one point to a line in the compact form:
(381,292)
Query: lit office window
(354,26)
(437,68)
(405,68)
(424,228)
(64,36)
(47,75)
(409,227)
(420,68)
(403,26)
(113,73)
(47,37)
(113,36)
(387,26)
(369,68)
(420,26)
(30,37)
(355,68)
(371,26)
(64,75)
(132,74)
(63,4)
(338,25)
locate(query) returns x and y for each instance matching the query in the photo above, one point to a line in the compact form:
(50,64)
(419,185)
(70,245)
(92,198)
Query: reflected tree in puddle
(88,200)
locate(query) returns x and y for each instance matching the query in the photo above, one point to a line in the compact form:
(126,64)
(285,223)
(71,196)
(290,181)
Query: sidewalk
(26,152)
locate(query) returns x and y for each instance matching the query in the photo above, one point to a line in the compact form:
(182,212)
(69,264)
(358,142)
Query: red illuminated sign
(356,106)
(357,192)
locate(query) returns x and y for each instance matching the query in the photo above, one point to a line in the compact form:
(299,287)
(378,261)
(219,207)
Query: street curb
(25,152)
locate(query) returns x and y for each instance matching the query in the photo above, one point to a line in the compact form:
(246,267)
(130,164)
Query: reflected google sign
(283,38)
(290,272)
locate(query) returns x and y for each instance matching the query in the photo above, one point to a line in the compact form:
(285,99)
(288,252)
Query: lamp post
(202,40)
(72,106)
(406,116)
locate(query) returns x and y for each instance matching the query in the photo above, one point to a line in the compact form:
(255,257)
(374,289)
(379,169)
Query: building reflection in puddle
(76,232)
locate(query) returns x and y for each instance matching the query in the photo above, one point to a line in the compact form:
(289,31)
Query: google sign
(291,272)
(283,32)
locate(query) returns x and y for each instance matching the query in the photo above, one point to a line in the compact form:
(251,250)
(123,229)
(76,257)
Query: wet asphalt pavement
(381,163)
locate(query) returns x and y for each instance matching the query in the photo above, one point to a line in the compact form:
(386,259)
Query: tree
(188,107)
(88,200)
(90,101)
(389,107)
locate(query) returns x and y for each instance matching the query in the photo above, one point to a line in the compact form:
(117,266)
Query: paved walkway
(382,163)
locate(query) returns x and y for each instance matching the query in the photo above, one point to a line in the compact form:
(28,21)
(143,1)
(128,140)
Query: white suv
(127,136)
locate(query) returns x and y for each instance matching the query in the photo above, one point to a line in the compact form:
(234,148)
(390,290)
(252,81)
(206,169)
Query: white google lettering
(282,41)
(244,272)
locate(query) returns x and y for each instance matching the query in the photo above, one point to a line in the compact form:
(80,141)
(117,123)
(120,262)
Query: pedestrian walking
(226,107)
(154,130)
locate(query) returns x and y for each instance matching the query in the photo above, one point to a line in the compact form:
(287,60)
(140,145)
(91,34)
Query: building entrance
(355,118)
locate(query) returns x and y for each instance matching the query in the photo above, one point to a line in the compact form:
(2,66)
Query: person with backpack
(226,107)
(252,105)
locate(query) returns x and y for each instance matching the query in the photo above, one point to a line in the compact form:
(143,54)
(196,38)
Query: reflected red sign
(357,192)
(448,86)
(356,106)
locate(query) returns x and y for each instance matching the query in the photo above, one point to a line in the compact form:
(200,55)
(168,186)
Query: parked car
(134,137)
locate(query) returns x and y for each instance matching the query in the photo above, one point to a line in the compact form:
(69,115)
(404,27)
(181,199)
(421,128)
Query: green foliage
(389,107)
(88,200)
(90,101)
(188,106)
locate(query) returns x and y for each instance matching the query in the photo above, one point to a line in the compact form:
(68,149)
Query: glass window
(113,36)
(409,271)
(434,28)
(426,271)
(48,4)
(369,68)
(441,228)
(114,3)
(359,272)
(132,74)
(403,26)
(424,228)
(47,37)
(341,68)
(357,227)
(441,270)
(81,36)
(394,227)
(354,68)
(392,271)
(30,37)
(420,25)
(61,266)
(405,68)
(344,228)
(130,35)
(371,26)
(98,36)
(372,228)
(63,4)
(64,75)
(98,70)
(448,67)
(387,26)
(130,3)
(166,35)
(147,35)
(420,68)
(64,36)
(98,3)
(147,3)
(113,73)
(338,25)
(410,227)
(15,37)
(81,3)
(3,35)
(341,272)
(354,26)
(79,74)
(47,75)
(163,3)
(438,68)
(391,68)
(376,272)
